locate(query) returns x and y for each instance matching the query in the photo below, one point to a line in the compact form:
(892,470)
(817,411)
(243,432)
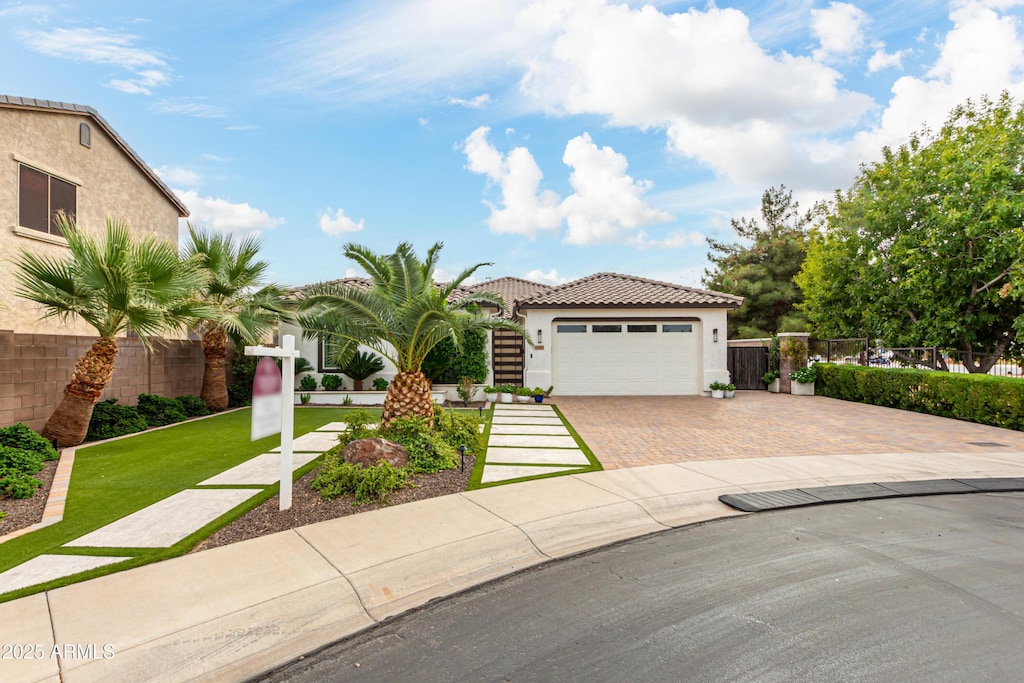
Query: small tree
(361,366)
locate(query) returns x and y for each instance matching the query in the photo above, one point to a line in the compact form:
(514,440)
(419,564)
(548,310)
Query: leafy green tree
(360,366)
(242,307)
(402,316)
(926,248)
(115,284)
(762,267)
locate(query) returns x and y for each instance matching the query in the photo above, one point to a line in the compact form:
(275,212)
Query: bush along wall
(996,401)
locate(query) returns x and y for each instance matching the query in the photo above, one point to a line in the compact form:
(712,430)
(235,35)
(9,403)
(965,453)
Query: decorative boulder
(368,452)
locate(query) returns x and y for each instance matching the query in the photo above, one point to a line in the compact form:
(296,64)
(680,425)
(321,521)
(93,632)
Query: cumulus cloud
(226,216)
(478,102)
(839,29)
(549,278)
(524,209)
(882,60)
(337,223)
(103,46)
(606,205)
(176,175)
(674,240)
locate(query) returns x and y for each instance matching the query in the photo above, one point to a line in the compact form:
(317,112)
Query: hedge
(985,399)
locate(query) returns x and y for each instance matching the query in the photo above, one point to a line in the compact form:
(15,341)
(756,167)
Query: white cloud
(214,157)
(103,46)
(839,29)
(606,205)
(478,102)
(176,175)
(674,240)
(549,278)
(882,60)
(198,107)
(524,209)
(425,122)
(338,223)
(38,12)
(352,272)
(220,214)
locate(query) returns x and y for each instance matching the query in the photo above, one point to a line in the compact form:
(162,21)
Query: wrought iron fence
(860,352)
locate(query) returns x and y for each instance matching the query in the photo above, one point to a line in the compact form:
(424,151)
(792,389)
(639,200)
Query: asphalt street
(911,589)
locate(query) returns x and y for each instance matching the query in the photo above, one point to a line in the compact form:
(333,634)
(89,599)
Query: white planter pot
(491,397)
(730,394)
(802,388)
(773,386)
(717,393)
(524,399)
(506,398)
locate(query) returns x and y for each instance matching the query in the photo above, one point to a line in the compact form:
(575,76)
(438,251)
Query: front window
(40,197)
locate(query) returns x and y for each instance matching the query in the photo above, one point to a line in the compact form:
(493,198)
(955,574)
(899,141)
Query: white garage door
(626,358)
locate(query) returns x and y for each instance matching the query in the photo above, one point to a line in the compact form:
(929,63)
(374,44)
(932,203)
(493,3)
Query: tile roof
(511,289)
(364,283)
(9,102)
(603,290)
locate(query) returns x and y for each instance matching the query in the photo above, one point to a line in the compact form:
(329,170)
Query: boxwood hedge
(985,399)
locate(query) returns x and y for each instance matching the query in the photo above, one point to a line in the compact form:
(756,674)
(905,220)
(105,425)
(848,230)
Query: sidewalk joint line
(341,574)
(513,524)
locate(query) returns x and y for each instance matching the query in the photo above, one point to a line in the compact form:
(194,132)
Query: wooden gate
(747,364)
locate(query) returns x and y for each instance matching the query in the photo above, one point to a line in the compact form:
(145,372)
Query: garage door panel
(623,363)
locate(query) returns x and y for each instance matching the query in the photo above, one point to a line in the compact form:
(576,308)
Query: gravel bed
(308,507)
(25,512)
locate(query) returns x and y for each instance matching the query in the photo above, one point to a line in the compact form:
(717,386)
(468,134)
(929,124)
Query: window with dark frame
(677,328)
(641,328)
(327,352)
(607,328)
(41,197)
(571,328)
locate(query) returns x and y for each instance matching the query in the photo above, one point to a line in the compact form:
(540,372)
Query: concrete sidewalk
(239,610)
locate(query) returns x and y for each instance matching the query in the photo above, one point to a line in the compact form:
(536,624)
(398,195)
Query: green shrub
(380,384)
(803,375)
(16,467)
(243,369)
(21,436)
(193,406)
(110,420)
(459,429)
(21,460)
(428,449)
(445,364)
(985,399)
(307,383)
(368,484)
(160,410)
(330,382)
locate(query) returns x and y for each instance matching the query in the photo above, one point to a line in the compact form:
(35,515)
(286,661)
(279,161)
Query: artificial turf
(114,479)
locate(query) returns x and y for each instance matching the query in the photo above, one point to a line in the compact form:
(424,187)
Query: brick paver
(648,430)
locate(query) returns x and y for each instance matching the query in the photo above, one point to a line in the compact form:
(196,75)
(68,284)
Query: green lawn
(112,480)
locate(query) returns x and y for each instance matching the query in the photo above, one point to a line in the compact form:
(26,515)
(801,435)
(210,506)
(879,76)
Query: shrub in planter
(380,384)
(160,410)
(465,389)
(428,449)
(523,394)
(21,436)
(16,469)
(110,419)
(307,383)
(330,382)
(193,406)
(368,484)
(804,375)
(718,389)
(491,393)
(361,366)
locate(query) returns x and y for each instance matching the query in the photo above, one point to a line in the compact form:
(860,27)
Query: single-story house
(604,334)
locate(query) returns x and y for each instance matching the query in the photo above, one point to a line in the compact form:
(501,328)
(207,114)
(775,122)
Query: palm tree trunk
(215,382)
(69,423)
(357,384)
(408,394)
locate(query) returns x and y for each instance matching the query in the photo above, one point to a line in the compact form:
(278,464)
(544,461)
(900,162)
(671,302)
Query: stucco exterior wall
(714,355)
(109,183)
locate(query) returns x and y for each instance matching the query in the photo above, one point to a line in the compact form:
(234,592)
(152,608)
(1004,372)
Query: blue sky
(556,138)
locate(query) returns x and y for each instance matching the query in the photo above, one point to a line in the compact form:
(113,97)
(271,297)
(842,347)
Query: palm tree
(360,366)
(401,316)
(116,285)
(243,307)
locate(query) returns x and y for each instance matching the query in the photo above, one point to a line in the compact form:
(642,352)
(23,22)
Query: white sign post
(287,354)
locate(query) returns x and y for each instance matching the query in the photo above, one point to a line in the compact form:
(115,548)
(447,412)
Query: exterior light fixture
(540,336)
(462,454)
(714,334)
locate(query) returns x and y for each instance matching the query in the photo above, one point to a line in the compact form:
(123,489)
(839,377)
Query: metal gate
(747,365)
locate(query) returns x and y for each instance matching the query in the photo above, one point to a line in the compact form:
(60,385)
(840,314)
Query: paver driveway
(631,431)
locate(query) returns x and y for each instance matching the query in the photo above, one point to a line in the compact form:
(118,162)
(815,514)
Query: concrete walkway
(236,611)
(529,440)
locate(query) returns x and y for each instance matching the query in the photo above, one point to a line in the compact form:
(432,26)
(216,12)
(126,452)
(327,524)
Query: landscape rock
(368,452)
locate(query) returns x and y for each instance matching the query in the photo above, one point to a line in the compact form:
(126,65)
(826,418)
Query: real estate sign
(266,399)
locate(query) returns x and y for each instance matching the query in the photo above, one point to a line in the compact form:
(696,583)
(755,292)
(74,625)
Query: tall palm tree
(115,284)
(242,306)
(401,316)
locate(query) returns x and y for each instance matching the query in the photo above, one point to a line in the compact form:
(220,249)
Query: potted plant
(507,392)
(730,390)
(803,381)
(523,394)
(771,378)
(718,389)
(491,394)
(538,395)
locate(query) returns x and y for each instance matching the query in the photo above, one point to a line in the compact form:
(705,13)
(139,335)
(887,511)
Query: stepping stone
(49,567)
(537,456)
(165,523)
(263,469)
(532,441)
(342,426)
(312,442)
(494,473)
(526,420)
(524,408)
(554,430)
